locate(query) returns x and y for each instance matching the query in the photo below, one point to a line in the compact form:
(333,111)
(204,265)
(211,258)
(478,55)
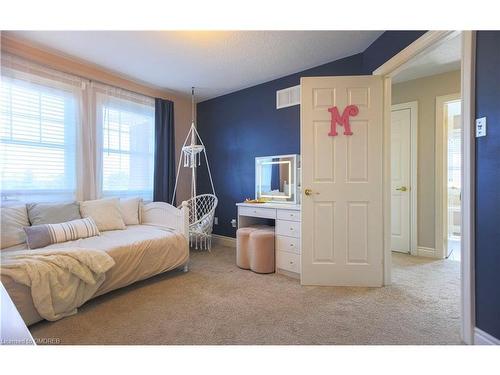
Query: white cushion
(13,219)
(105,212)
(129,208)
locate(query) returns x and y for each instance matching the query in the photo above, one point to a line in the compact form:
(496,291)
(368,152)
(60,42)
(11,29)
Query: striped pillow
(46,234)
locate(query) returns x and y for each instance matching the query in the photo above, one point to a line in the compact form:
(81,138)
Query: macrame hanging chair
(201,207)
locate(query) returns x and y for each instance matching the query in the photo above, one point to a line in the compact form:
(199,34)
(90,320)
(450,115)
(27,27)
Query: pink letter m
(350,110)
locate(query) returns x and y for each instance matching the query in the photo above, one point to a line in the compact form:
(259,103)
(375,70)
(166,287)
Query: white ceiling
(445,58)
(215,62)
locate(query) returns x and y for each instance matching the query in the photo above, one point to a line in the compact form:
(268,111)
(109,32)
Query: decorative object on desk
(350,110)
(201,207)
(256,201)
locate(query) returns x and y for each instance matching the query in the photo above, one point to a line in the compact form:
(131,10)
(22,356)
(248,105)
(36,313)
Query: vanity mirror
(276,178)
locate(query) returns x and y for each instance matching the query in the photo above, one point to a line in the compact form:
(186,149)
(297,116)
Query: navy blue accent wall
(386,46)
(242,125)
(239,126)
(487,253)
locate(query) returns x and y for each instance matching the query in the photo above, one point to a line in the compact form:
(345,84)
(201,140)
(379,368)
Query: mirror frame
(294,173)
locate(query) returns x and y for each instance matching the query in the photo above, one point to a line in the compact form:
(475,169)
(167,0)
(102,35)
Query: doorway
(404,120)
(430,81)
(449,137)
(428,42)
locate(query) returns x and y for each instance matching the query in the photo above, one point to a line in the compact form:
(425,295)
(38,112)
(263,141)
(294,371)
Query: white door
(400,178)
(342,216)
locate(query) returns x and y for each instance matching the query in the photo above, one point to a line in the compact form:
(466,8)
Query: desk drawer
(266,213)
(292,215)
(291,244)
(288,261)
(288,228)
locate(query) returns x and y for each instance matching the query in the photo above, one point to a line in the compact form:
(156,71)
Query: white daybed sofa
(158,244)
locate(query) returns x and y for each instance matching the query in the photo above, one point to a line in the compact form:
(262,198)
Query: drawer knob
(291,245)
(291,228)
(291,262)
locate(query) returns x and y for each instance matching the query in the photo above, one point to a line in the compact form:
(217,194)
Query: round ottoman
(261,250)
(242,250)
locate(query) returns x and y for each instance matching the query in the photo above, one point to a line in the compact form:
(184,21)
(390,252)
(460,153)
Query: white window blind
(126,130)
(38,133)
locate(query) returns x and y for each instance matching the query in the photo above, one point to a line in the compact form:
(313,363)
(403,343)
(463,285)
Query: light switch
(481,127)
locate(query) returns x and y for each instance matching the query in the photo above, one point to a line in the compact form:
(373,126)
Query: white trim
(468,183)
(427,252)
(440,176)
(413,107)
(386,182)
(483,338)
(428,41)
(224,240)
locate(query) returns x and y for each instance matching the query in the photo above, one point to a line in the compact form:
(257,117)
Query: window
(126,129)
(65,138)
(38,132)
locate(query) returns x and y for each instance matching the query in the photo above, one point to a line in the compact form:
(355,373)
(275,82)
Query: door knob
(308,192)
(402,188)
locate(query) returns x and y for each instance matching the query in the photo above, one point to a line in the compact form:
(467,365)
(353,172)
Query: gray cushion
(53,213)
(12,220)
(46,234)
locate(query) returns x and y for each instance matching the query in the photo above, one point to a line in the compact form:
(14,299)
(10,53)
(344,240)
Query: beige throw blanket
(61,280)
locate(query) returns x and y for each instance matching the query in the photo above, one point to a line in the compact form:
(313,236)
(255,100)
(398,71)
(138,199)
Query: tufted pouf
(261,250)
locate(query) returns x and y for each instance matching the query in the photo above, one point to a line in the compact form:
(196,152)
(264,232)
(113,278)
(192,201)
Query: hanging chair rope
(206,160)
(201,207)
(179,167)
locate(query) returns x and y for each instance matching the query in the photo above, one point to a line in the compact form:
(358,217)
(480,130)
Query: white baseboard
(483,338)
(223,240)
(426,252)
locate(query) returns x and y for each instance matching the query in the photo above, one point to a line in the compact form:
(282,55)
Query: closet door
(342,177)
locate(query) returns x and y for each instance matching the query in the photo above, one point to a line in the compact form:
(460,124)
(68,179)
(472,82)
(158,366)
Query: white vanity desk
(286,218)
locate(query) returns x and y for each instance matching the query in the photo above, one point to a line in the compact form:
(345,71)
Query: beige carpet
(218,303)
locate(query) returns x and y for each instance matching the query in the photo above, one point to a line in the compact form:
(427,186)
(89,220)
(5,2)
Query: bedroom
(140,147)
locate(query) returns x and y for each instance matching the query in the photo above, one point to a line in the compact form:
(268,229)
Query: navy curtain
(164,173)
